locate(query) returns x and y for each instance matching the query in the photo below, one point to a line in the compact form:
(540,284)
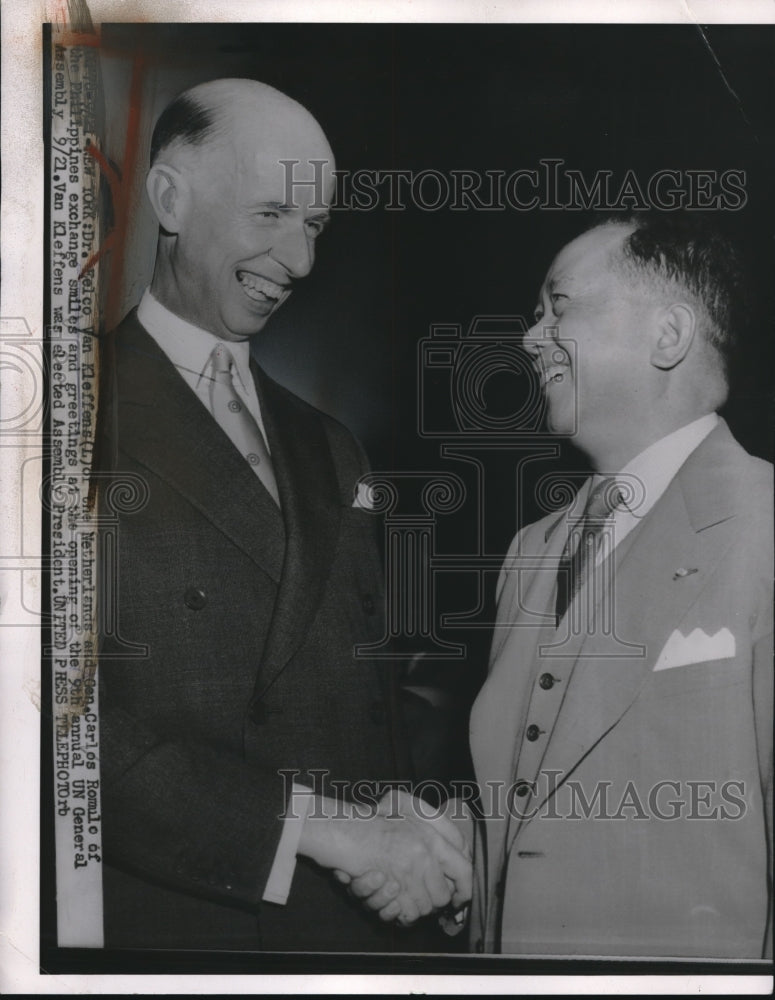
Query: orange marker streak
(122,195)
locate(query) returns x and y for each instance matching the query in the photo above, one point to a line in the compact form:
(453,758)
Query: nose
(539,337)
(295,250)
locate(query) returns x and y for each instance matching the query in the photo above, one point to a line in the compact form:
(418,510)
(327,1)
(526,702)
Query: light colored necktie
(234,417)
(575,562)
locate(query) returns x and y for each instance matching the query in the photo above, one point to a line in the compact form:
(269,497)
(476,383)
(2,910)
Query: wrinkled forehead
(284,164)
(268,141)
(588,257)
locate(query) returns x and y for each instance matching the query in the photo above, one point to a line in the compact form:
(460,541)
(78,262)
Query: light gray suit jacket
(647,829)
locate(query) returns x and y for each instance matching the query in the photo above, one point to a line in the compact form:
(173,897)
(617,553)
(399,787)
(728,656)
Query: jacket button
(546,681)
(533,732)
(367,603)
(257,713)
(195,598)
(377,713)
(479,946)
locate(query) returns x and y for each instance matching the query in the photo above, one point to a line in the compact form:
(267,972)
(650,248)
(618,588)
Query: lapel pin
(683,571)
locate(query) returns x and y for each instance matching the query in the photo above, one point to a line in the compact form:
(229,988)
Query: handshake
(399,861)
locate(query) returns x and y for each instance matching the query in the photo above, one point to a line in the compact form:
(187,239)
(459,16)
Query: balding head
(626,340)
(240,179)
(209,112)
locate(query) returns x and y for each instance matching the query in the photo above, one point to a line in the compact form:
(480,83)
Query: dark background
(476,97)
(446,97)
(480,97)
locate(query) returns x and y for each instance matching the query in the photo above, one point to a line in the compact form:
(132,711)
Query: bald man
(623,738)
(235,717)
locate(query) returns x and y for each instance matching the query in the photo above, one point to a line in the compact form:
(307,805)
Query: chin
(243,327)
(563,425)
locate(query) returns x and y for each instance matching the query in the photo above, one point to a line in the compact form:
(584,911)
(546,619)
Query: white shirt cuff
(278,885)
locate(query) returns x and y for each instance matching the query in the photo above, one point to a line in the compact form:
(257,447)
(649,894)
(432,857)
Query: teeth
(556,373)
(257,288)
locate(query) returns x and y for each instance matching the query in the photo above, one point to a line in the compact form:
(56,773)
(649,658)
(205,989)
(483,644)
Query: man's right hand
(400,863)
(381,894)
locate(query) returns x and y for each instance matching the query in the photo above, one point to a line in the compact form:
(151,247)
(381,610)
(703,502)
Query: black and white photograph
(388,429)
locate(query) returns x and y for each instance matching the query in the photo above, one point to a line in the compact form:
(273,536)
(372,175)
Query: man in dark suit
(247,573)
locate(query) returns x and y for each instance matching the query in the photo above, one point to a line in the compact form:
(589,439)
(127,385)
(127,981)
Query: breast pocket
(694,678)
(360,516)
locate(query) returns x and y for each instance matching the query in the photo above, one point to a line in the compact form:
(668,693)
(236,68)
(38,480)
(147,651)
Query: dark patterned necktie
(582,544)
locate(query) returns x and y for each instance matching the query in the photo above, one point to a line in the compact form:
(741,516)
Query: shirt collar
(646,477)
(188,346)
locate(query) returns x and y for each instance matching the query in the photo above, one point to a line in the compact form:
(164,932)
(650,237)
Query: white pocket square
(696,647)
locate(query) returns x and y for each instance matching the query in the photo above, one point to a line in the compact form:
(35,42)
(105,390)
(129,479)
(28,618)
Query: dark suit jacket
(244,620)
(597,710)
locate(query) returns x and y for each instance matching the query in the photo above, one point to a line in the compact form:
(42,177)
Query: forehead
(274,164)
(588,257)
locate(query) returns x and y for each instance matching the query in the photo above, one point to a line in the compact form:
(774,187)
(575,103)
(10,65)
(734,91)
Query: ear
(168,192)
(675,331)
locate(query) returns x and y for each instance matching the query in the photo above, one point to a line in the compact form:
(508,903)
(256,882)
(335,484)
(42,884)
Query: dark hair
(185,120)
(690,252)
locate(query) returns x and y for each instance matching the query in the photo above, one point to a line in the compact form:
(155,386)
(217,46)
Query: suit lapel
(533,573)
(692,525)
(310,497)
(502,701)
(165,427)
(500,709)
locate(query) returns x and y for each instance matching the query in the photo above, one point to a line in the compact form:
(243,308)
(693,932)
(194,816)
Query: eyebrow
(547,289)
(565,278)
(556,280)
(283,206)
(279,206)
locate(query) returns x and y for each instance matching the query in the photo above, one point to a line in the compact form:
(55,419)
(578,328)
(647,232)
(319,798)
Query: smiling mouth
(261,289)
(552,365)
(554,373)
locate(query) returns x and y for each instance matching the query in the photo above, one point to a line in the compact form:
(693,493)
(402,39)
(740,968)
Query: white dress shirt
(644,479)
(189,348)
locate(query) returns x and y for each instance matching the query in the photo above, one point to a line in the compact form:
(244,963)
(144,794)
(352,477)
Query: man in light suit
(233,710)
(623,739)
